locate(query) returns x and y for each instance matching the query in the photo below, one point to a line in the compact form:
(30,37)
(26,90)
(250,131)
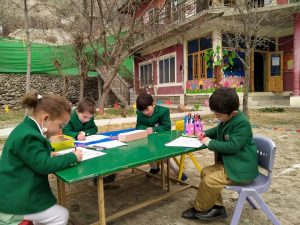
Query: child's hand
(81,136)
(53,154)
(78,154)
(201,135)
(149,130)
(205,141)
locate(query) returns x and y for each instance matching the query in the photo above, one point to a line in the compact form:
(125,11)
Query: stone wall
(12,88)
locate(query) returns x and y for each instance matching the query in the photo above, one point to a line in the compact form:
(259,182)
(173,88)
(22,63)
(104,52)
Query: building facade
(175,63)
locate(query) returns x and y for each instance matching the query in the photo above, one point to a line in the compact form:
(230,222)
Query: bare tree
(109,29)
(245,27)
(24,6)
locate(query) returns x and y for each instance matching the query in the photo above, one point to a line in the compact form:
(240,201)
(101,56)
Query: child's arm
(211,133)
(164,123)
(68,130)
(240,135)
(139,124)
(35,153)
(90,128)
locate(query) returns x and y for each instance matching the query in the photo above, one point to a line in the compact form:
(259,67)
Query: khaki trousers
(213,180)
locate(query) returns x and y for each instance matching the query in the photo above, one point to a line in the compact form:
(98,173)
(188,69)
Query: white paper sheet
(185,142)
(92,138)
(107,144)
(133,132)
(87,154)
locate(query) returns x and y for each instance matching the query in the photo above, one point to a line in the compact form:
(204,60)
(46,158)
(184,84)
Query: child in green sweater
(27,159)
(154,118)
(236,157)
(82,122)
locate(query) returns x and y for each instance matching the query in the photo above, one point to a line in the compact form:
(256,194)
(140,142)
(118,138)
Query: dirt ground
(283,197)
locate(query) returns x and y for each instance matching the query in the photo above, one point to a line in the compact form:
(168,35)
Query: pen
(96,147)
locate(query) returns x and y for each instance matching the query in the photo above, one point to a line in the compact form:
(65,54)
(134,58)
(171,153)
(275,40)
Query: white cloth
(55,215)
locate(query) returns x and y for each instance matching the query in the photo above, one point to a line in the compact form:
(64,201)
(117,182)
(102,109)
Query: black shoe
(110,178)
(191,213)
(212,214)
(153,171)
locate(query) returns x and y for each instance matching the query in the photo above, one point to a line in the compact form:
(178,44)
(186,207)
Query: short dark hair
(224,100)
(86,105)
(143,101)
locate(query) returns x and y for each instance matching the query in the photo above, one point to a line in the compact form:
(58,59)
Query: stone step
(273,97)
(273,102)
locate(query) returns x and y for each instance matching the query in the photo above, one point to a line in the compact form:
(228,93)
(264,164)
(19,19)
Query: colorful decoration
(194,86)
(208,85)
(6,108)
(158,102)
(200,82)
(206,102)
(134,107)
(168,102)
(117,106)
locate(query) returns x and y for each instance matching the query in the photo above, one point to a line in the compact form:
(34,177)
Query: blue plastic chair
(251,192)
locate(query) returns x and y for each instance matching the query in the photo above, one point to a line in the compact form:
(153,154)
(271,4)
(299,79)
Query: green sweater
(233,141)
(159,121)
(24,167)
(75,126)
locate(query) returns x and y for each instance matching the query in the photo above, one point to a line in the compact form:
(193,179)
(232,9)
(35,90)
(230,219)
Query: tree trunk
(28,46)
(66,85)
(81,86)
(100,84)
(218,75)
(247,81)
(102,100)
(108,75)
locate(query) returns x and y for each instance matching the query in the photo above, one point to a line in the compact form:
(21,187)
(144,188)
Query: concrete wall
(12,88)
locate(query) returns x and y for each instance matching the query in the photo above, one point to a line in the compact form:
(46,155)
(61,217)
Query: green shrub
(272,109)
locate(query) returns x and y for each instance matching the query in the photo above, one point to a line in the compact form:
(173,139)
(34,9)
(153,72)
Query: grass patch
(11,118)
(272,109)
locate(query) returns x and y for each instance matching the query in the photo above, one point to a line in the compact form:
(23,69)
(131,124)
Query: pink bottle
(189,129)
(198,126)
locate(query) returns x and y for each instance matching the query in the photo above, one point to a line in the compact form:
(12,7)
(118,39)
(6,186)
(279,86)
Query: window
(197,68)
(146,74)
(275,65)
(200,69)
(167,70)
(152,15)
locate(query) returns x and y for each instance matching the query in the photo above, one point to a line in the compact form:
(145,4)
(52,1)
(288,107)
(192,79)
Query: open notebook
(87,153)
(185,142)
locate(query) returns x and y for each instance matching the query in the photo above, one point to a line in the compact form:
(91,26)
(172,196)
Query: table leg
(193,158)
(182,158)
(100,188)
(61,192)
(168,175)
(163,177)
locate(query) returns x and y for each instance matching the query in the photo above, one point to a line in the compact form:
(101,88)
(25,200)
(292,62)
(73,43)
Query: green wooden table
(137,153)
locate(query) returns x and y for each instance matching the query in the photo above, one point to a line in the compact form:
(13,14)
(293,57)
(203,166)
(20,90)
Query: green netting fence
(13,59)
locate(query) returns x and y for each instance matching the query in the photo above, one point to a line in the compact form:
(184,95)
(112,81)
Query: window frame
(140,74)
(167,56)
